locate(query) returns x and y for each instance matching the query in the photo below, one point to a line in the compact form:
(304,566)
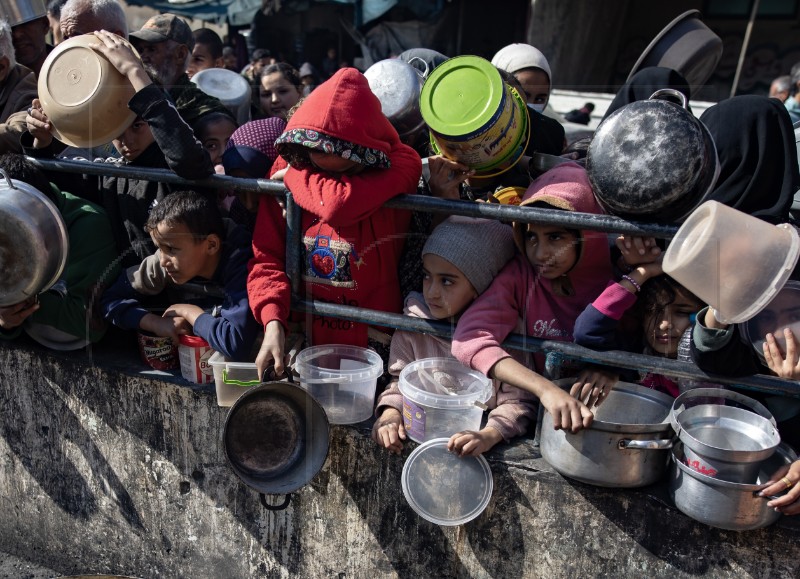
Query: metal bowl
(33,241)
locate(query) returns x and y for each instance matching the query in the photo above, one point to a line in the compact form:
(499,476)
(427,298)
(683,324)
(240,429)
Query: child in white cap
(460,259)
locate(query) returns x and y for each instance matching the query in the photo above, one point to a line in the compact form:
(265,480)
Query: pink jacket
(511,409)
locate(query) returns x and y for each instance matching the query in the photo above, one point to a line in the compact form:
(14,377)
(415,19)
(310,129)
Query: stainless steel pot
(652,160)
(276,439)
(724,504)
(397,85)
(626,445)
(725,435)
(33,241)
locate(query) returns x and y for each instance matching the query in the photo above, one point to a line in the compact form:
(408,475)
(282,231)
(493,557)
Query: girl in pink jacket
(559,272)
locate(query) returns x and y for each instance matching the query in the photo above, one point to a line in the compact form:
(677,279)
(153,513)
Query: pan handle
(271,376)
(626,443)
(671,92)
(279,507)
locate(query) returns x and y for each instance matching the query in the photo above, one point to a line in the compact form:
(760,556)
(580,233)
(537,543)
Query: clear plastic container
(232,379)
(342,379)
(441,396)
(734,262)
(443,488)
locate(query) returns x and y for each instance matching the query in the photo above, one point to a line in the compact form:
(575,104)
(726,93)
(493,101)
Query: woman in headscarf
(531,70)
(644,83)
(758,156)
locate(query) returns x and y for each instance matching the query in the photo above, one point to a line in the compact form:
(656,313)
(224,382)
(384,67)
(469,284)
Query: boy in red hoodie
(345,160)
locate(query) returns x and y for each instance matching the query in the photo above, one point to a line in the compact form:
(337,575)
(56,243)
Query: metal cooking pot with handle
(33,241)
(626,446)
(652,160)
(276,439)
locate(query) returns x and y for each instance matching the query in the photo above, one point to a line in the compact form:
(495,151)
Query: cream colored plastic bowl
(83,95)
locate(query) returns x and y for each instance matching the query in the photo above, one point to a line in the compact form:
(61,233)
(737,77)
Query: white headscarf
(517,56)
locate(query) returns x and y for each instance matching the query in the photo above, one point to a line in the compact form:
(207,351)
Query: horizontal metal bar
(572,220)
(606,223)
(276,188)
(613,358)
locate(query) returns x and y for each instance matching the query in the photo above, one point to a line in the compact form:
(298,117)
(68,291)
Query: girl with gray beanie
(460,259)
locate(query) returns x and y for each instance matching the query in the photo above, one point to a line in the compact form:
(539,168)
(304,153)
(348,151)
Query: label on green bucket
(414,420)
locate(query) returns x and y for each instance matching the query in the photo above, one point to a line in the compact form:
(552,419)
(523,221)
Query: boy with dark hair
(62,318)
(207,51)
(195,244)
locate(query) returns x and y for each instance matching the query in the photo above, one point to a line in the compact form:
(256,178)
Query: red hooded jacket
(352,244)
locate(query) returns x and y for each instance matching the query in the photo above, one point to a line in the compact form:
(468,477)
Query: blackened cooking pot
(276,439)
(652,160)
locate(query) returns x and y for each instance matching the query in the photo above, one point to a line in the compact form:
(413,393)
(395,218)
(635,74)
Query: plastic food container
(193,354)
(443,488)
(441,396)
(734,262)
(232,379)
(342,379)
(158,352)
(83,94)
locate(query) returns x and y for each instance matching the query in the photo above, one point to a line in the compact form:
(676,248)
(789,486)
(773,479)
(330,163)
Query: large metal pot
(33,241)
(397,85)
(626,445)
(276,439)
(652,160)
(724,504)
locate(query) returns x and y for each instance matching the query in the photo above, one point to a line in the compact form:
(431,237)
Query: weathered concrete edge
(107,472)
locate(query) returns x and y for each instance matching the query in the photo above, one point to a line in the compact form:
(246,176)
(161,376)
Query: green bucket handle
(245,383)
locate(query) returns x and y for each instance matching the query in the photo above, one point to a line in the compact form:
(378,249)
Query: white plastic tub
(342,379)
(232,379)
(441,396)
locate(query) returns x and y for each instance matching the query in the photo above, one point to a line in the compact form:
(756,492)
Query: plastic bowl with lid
(441,396)
(83,95)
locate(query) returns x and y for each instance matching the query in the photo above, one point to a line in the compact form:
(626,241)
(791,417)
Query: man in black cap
(164,44)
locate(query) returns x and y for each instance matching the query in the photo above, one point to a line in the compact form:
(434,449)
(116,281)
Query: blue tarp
(234,12)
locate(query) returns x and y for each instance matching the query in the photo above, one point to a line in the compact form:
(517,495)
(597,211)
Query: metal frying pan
(276,439)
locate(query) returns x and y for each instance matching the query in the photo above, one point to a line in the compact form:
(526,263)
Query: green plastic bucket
(473,116)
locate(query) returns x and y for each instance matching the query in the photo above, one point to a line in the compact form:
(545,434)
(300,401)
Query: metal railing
(603,223)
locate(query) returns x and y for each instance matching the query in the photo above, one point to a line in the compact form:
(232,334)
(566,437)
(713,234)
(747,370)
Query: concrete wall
(104,469)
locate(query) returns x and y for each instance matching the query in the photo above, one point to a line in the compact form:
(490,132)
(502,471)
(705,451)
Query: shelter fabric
(757,153)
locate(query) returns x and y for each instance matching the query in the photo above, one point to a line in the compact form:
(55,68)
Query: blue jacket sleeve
(234,331)
(120,304)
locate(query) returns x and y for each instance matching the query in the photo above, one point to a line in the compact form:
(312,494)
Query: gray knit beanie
(479,248)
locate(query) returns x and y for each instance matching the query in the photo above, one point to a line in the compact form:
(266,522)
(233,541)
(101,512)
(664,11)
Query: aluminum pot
(652,160)
(276,439)
(33,241)
(627,444)
(397,85)
(724,504)
(725,435)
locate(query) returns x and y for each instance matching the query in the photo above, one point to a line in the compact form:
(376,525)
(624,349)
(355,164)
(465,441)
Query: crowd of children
(216,262)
